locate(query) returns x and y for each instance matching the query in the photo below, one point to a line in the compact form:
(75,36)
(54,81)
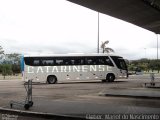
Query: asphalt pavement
(78,100)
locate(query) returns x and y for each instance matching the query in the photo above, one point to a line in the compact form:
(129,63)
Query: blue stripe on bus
(22,63)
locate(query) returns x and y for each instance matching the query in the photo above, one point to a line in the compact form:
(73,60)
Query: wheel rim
(52,80)
(110,78)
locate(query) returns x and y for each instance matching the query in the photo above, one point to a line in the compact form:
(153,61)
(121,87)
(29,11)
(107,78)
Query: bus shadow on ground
(91,82)
(80,82)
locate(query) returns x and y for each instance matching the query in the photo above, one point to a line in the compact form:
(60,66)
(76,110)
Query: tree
(131,67)
(157,65)
(14,60)
(1,50)
(145,64)
(6,70)
(16,69)
(14,57)
(106,49)
(1,53)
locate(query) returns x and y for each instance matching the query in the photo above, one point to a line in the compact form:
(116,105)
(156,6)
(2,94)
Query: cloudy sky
(59,26)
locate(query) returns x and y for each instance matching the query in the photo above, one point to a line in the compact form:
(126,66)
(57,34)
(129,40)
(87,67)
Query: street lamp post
(157,46)
(98,35)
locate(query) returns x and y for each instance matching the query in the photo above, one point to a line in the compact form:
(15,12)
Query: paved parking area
(82,98)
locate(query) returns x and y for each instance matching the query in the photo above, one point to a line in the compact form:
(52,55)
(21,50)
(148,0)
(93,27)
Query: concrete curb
(132,93)
(128,96)
(39,114)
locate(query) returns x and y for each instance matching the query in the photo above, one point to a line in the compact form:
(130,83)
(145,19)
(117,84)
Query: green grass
(11,77)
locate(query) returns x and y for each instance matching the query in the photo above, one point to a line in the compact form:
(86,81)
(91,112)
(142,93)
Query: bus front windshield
(120,63)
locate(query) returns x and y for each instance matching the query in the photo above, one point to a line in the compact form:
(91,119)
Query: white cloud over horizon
(59,26)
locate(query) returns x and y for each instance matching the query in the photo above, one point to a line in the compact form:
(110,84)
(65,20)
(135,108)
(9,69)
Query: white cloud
(59,26)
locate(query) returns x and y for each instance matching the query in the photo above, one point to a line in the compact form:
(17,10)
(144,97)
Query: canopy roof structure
(143,13)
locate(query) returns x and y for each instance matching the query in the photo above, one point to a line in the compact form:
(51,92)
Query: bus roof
(71,55)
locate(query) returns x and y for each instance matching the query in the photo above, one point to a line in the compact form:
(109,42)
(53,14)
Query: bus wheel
(52,79)
(110,77)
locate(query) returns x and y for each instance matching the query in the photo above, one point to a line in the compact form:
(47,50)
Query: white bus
(65,67)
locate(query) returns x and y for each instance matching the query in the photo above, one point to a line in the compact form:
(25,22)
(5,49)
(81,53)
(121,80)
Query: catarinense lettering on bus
(82,68)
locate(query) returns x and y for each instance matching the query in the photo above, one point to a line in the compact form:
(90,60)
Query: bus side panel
(37,74)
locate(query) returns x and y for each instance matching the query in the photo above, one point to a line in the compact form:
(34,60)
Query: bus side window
(94,61)
(76,62)
(88,61)
(80,61)
(66,63)
(72,62)
(99,61)
(36,62)
(43,62)
(28,61)
(59,62)
(108,61)
(49,62)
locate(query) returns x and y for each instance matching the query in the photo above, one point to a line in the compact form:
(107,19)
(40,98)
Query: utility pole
(98,35)
(157,46)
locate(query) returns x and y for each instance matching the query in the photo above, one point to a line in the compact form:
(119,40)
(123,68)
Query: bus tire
(51,79)
(110,77)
